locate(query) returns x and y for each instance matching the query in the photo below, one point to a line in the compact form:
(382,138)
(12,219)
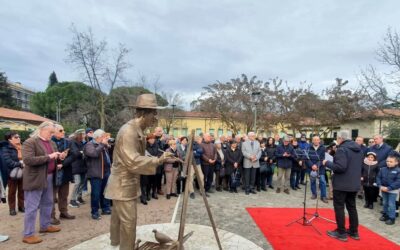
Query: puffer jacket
(370,171)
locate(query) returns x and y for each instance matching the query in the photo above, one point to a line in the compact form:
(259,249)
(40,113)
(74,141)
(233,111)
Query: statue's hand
(165,156)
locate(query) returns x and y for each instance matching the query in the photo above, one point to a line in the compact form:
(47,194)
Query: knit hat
(88,130)
(371,153)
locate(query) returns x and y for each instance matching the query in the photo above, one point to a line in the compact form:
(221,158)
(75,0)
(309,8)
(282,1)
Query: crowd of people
(38,172)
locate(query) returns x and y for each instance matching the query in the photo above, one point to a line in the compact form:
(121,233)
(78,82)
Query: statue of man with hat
(129,162)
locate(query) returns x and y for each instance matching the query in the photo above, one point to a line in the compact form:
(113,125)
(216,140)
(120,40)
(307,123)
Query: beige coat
(129,162)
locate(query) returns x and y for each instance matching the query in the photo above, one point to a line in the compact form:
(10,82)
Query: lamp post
(173,117)
(254,95)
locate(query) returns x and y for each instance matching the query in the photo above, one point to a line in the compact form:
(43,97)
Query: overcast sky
(190,44)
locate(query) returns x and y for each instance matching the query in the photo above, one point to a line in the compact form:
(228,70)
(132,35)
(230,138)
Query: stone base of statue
(202,238)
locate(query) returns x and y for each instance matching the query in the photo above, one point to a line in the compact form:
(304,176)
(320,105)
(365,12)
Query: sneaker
(389,222)
(13,212)
(192,195)
(74,204)
(81,201)
(96,217)
(106,212)
(354,236)
(336,235)
(50,229)
(32,239)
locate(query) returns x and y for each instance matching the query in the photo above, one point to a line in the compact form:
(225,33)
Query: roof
(196,114)
(12,114)
(20,87)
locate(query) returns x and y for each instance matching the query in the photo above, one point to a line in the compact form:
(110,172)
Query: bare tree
(383,88)
(101,70)
(167,115)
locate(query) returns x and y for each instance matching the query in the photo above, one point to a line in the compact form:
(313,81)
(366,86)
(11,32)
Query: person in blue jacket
(381,149)
(316,154)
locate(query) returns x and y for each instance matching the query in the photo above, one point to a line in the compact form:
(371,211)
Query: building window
(184,131)
(354,133)
(334,135)
(220,132)
(211,131)
(198,131)
(175,132)
(229,133)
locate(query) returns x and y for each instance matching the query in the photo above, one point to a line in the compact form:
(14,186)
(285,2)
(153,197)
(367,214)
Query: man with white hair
(381,149)
(346,181)
(251,152)
(208,160)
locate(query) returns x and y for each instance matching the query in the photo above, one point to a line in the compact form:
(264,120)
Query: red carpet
(272,223)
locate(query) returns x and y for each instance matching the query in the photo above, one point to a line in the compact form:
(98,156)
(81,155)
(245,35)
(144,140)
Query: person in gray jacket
(251,152)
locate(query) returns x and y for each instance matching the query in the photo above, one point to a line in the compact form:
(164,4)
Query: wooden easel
(190,165)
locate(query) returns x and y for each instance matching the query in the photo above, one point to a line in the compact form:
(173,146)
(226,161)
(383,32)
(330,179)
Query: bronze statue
(129,162)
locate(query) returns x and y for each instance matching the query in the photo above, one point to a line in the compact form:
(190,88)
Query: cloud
(190,44)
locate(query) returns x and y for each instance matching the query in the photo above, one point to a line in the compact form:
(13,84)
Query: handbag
(16,173)
(263,169)
(59,177)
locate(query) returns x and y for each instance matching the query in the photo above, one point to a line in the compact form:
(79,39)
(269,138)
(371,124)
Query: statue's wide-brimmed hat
(147,101)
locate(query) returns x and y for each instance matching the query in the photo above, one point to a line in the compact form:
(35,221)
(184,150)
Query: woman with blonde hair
(171,168)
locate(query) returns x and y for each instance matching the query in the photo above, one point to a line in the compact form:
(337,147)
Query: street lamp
(254,95)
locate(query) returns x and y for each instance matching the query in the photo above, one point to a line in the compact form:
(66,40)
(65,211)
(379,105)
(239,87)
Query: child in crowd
(369,172)
(389,182)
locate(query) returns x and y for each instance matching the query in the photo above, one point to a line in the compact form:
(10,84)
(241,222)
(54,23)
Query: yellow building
(19,120)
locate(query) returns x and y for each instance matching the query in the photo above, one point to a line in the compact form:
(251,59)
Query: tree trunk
(102,112)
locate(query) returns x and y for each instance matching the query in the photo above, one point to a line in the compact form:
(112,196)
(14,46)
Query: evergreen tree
(53,79)
(6,99)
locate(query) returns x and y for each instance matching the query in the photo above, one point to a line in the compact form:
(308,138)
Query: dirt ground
(82,228)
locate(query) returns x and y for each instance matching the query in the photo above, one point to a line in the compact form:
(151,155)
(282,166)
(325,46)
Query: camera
(111,141)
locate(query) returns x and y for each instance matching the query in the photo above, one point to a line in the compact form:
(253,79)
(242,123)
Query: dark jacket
(152,149)
(75,158)
(382,153)
(219,164)
(304,145)
(284,161)
(35,159)
(316,156)
(197,152)
(346,166)
(96,165)
(9,156)
(270,152)
(369,173)
(62,145)
(232,157)
(209,153)
(296,159)
(389,177)
(262,158)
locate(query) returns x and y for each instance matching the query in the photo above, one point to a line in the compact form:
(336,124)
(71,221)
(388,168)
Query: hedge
(22,133)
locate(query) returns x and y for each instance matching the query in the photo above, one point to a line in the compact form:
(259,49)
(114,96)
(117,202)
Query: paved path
(230,214)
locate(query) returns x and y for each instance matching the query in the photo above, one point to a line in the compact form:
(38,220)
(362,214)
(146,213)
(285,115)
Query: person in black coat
(148,183)
(295,174)
(270,149)
(234,159)
(75,159)
(346,181)
(370,171)
(284,157)
(261,181)
(12,160)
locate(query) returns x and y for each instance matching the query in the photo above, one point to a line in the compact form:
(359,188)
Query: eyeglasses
(61,130)
(16,137)
(371,142)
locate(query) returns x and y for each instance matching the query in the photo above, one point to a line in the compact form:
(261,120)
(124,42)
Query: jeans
(97,199)
(295,178)
(208,172)
(340,198)
(79,180)
(389,204)
(322,186)
(249,178)
(271,175)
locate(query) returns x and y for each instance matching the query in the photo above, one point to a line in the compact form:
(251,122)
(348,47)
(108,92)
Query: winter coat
(75,158)
(369,172)
(389,177)
(270,152)
(9,155)
(284,161)
(62,145)
(230,158)
(96,165)
(316,156)
(382,152)
(209,153)
(219,163)
(197,152)
(346,166)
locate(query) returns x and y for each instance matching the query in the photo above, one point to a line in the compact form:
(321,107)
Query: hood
(351,145)
(4,144)
(369,163)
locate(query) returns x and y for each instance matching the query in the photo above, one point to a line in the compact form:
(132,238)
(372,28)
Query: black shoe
(154,196)
(96,217)
(336,235)
(13,212)
(294,188)
(235,190)
(168,196)
(247,192)
(174,195)
(148,197)
(263,189)
(192,195)
(383,217)
(231,191)
(74,204)
(271,187)
(210,191)
(143,201)
(253,192)
(106,212)
(303,183)
(354,236)
(278,190)
(313,197)
(219,189)
(258,189)
(298,187)
(371,206)
(389,222)
(21,210)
